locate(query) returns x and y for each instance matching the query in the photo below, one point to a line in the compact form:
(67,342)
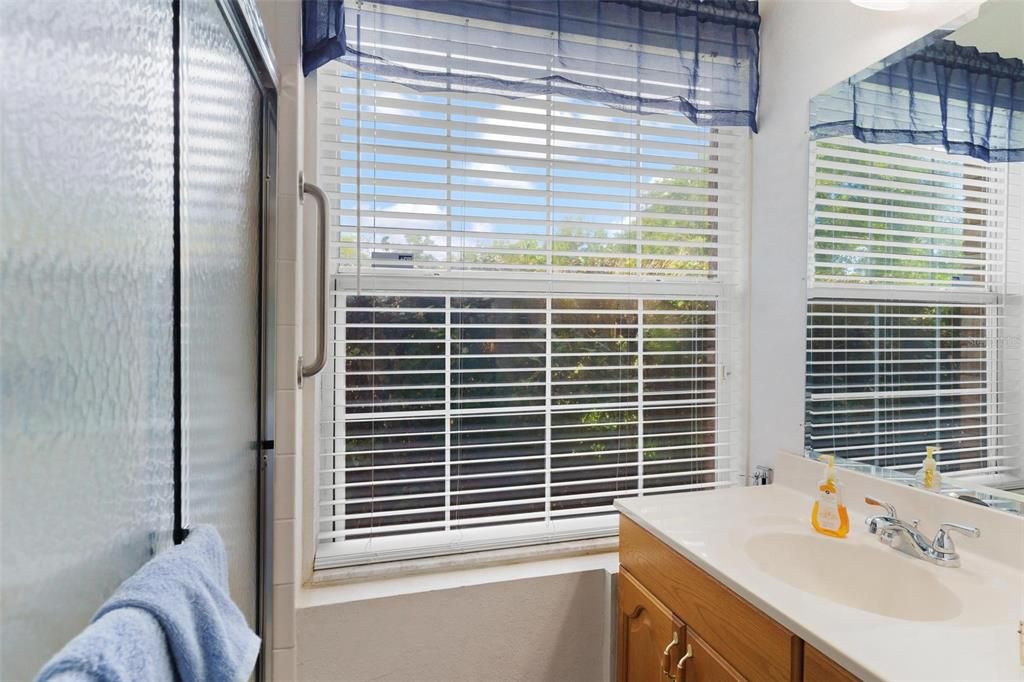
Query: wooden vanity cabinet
(663,595)
(821,668)
(649,635)
(705,664)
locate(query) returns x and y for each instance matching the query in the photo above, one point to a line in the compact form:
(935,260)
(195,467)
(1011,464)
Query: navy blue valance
(323,33)
(946,94)
(695,57)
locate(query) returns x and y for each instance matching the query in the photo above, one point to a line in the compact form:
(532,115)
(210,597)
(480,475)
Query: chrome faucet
(907,538)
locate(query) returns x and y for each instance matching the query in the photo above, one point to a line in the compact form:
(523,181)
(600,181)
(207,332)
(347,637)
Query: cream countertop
(970,633)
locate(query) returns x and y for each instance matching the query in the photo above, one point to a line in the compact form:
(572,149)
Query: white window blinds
(542,186)
(907,218)
(538,307)
(913,322)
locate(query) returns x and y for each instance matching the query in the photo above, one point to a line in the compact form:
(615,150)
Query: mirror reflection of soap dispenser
(829,515)
(928,476)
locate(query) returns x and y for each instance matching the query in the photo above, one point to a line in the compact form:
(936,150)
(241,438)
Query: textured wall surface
(220,289)
(85,311)
(554,628)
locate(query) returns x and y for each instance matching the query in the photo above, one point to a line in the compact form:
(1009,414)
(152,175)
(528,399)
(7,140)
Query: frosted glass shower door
(136,187)
(86,316)
(221,115)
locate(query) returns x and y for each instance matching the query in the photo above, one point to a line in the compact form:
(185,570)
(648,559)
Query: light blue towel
(185,590)
(125,645)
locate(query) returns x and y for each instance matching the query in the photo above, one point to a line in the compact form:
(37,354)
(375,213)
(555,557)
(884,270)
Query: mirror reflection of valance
(695,57)
(967,101)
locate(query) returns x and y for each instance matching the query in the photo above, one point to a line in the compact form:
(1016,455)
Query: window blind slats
(922,375)
(633,417)
(575,140)
(918,361)
(535,312)
(391,174)
(933,165)
(885,217)
(671,209)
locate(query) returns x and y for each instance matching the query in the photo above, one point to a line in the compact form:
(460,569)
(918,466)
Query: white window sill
(359,583)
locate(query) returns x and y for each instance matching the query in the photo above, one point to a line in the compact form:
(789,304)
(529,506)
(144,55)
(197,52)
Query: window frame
(731,294)
(498,537)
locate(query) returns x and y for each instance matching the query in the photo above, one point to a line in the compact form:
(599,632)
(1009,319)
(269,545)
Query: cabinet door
(753,643)
(820,668)
(650,637)
(703,664)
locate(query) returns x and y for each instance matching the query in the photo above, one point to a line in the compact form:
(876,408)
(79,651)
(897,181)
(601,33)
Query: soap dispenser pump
(829,515)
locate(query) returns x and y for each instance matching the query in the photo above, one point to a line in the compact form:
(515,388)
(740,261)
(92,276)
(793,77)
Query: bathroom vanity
(699,629)
(734,584)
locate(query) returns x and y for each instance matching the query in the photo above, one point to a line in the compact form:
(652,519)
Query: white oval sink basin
(883,582)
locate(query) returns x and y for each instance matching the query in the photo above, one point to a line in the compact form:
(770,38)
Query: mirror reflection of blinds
(887,379)
(910,323)
(537,308)
(906,217)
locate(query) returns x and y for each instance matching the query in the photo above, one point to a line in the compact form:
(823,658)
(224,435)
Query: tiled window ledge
(340,585)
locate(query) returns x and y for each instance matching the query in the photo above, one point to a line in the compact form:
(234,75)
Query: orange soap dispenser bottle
(829,516)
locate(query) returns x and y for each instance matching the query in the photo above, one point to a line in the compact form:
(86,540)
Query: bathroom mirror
(915,232)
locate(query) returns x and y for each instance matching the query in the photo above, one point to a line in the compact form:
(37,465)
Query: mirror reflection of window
(908,306)
(916,223)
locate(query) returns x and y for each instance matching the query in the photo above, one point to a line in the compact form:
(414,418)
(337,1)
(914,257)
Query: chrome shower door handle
(320,359)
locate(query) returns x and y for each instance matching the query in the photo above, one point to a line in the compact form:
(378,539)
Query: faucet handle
(943,542)
(890,510)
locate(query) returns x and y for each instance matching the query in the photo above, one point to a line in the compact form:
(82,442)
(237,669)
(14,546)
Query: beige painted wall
(554,628)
